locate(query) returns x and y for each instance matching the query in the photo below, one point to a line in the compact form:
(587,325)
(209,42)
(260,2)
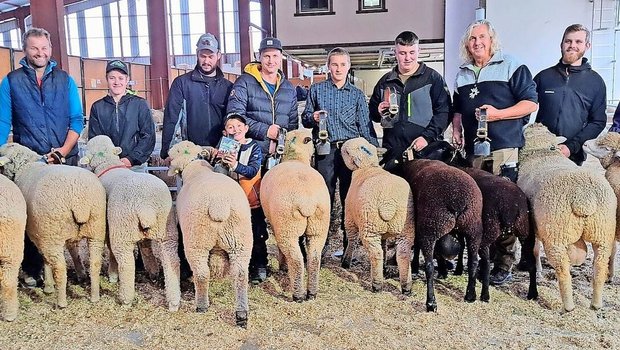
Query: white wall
(371,77)
(459,14)
(532,29)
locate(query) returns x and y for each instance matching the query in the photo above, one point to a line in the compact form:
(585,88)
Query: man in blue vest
(42,104)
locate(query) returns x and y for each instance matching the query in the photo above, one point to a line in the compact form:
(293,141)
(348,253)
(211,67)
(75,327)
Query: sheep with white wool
(64,205)
(12,226)
(138,208)
(379,205)
(607,149)
(569,204)
(214,215)
(296,202)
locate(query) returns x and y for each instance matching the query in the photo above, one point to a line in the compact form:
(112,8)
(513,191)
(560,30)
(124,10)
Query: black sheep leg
(473,244)
(484,273)
(429,270)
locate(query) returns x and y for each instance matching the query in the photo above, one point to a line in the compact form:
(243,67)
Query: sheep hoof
(406,292)
(442,276)
(377,288)
(592,307)
(311,296)
(298,299)
(485,298)
(94,299)
(431,307)
(202,309)
(346,264)
(48,289)
(532,295)
(458,271)
(173,307)
(470,298)
(62,305)
(241,319)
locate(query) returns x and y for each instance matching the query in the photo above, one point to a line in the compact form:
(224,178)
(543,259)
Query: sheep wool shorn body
(379,205)
(569,204)
(12,227)
(65,204)
(446,199)
(296,202)
(607,149)
(214,215)
(138,207)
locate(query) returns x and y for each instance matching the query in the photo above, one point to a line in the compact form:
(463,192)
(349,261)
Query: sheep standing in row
(607,149)
(65,204)
(138,207)
(568,203)
(12,226)
(296,202)
(446,199)
(214,215)
(379,205)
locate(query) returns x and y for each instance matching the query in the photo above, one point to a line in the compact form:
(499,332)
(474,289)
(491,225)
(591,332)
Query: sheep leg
(48,279)
(601,261)
(473,245)
(172,272)
(294,261)
(429,270)
(353,239)
(527,253)
(612,263)
(198,260)
(54,256)
(314,249)
(8,290)
(403,257)
(372,243)
(484,271)
(95,251)
(148,258)
(112,268)
(74,251)
(239,272)
(123,251)
(536,251)
(458,270)
(558,257)
(415,263)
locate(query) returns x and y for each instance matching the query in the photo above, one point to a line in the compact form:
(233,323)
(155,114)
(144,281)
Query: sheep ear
(307,140)
(617,155)
(85,160)
(560,139)
(4,161)
(117,150)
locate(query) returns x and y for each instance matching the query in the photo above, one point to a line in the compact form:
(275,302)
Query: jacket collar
(28,68)
(197,76)
(585,65)
(498,57)
(253,69)
(394,74)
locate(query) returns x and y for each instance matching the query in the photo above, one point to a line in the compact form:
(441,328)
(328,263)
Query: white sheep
(12,226)
(607,149)
(569,203)
(214,215)
(138,207)
(296,202)
(65,204)
(379,205)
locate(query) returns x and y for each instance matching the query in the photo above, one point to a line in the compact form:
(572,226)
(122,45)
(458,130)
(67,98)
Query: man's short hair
(338,51)
(407,38)
(34,31)
(577,28)
(495,43)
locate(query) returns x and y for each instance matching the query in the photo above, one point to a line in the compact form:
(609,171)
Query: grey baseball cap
(207,42)
(270,43)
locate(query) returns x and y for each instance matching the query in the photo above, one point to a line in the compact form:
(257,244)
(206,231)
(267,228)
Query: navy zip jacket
(129,125)
(572,103)
(205,100)
(423,110)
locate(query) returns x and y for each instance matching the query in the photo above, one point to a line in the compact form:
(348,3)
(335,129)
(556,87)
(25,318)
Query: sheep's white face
(99,150)
(359,153)
(14,156)
(606,148)
(538,137)
(298,143)
(181,155)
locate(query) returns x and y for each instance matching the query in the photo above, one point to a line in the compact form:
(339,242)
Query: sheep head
(606,148)
(538,139)
(13,157)
(100,151)
(181,155)
(298,146)
(358,153)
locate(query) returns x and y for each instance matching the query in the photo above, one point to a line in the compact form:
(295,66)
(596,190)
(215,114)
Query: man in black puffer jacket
(264,97)
(123,117)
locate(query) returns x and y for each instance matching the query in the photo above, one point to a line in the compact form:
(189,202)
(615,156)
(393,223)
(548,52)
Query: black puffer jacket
(129,124)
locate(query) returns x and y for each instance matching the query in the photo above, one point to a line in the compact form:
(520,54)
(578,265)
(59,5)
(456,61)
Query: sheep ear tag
(117,150)
(85,160)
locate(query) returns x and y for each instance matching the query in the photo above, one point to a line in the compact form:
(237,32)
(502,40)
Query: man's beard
(204,72)
(572,56)
(33,63)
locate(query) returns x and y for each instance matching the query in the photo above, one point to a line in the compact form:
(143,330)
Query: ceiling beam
(25,10)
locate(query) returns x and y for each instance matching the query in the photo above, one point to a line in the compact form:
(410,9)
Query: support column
(81,27)
(50,16)
(134,45)
(186,41)
(212,19)
(158,38)
(244,32)
(265,16)
(107,31)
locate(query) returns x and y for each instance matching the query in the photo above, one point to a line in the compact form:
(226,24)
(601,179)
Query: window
(314,7)
(371,6)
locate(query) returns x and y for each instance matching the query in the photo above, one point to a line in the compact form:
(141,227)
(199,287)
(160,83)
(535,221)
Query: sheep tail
(218,263)
(219,213)
(147,218)
(387,210)
(584,202)
(81,214)
(306,208)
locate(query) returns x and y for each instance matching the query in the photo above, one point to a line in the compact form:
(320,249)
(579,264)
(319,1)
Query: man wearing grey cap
(264,96)
(201,96)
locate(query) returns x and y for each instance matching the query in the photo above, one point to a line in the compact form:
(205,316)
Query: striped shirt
(347,111)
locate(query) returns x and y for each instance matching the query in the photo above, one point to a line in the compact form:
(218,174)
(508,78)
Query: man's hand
(493,114)
(565,151)
(126,162)
(383,107)
(230,160)
(317,116)
(419,143)
(56,156)
(457,138)
(272,132)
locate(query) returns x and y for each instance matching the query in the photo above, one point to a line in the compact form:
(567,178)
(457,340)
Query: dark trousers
(259,231)
(332,168)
